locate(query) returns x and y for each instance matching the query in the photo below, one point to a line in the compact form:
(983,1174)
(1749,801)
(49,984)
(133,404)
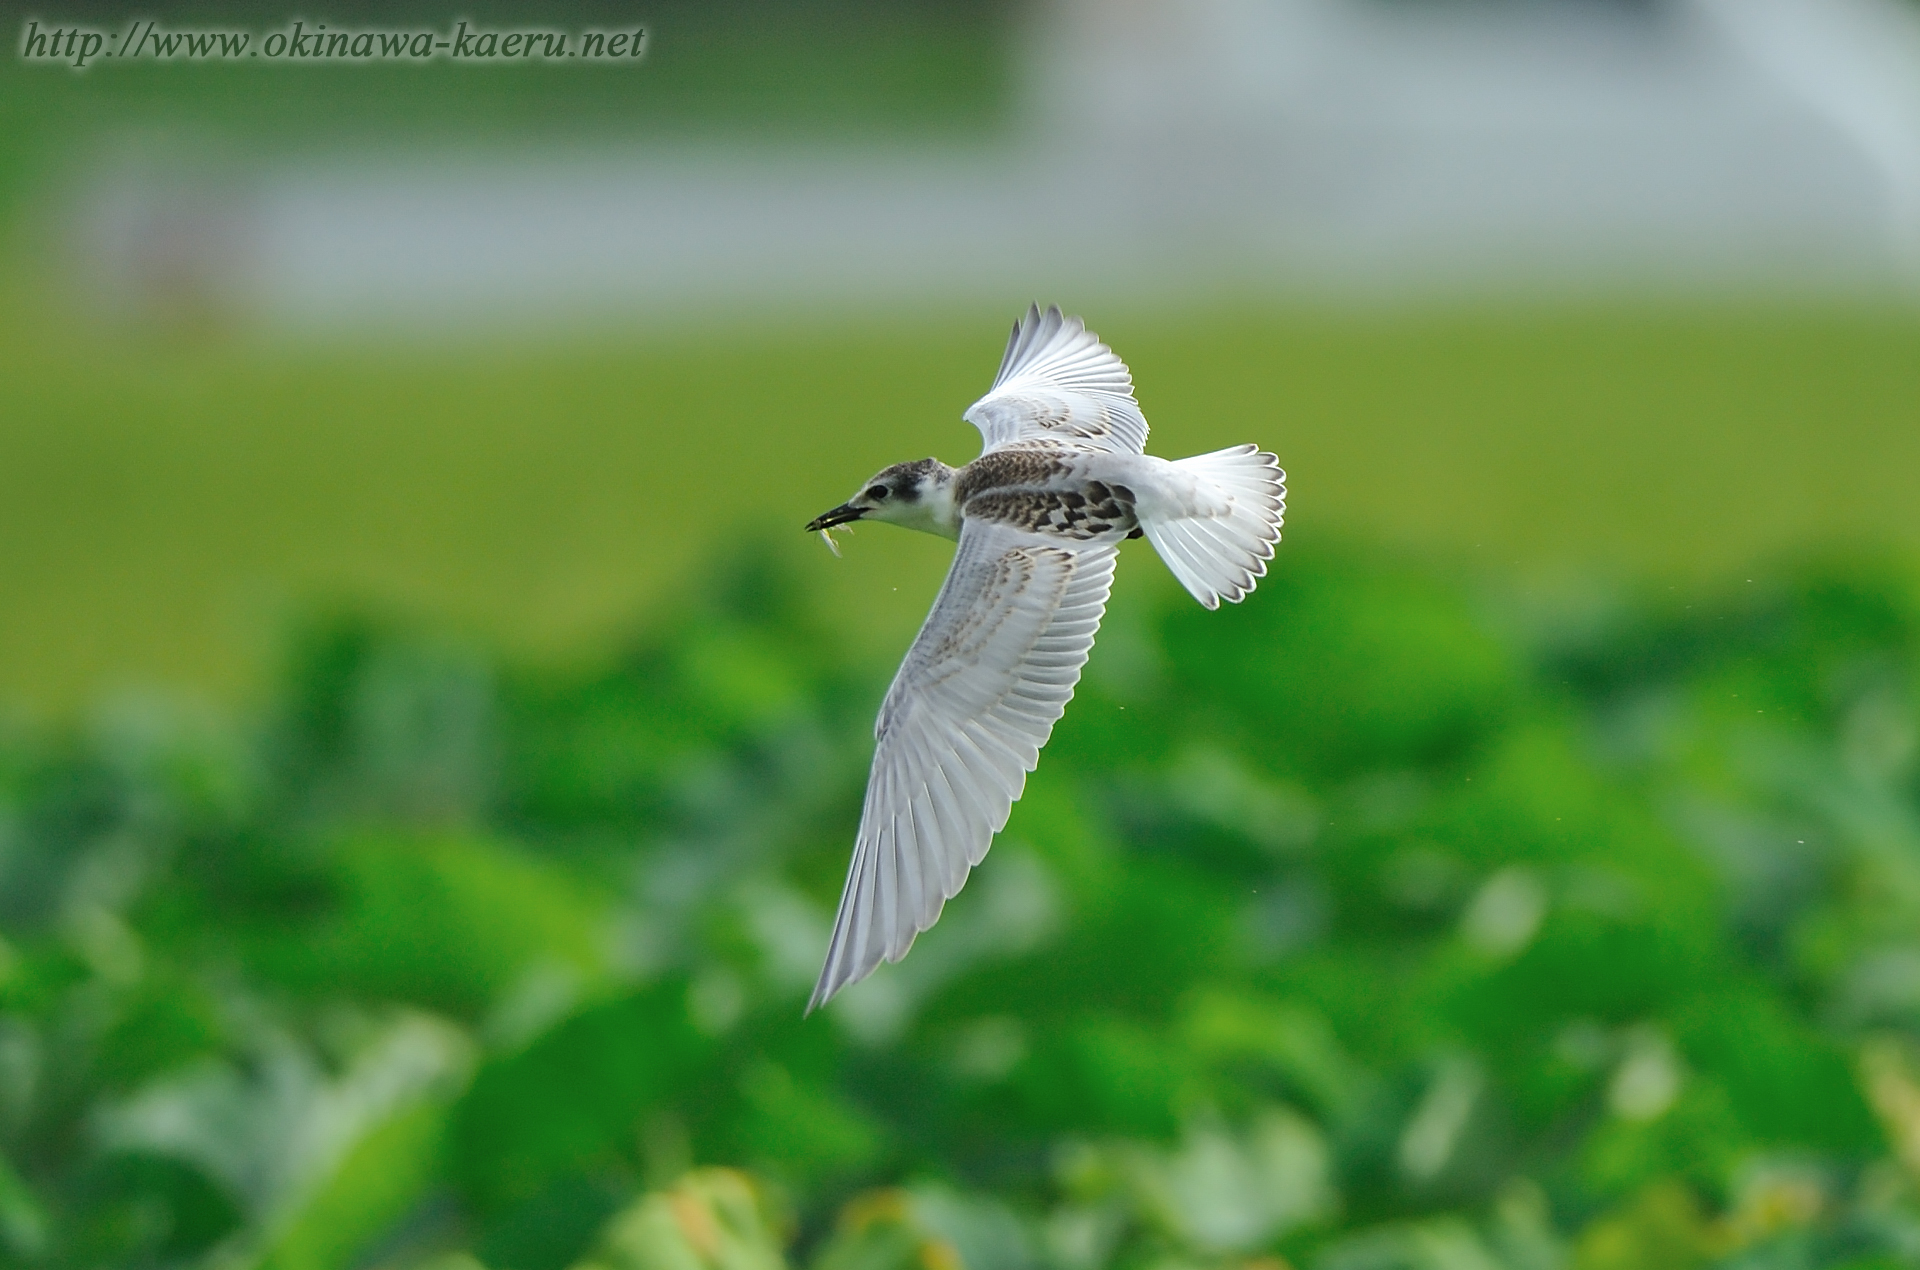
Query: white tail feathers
(1218,542)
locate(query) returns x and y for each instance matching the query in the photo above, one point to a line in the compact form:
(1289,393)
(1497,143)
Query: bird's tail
(1218,545)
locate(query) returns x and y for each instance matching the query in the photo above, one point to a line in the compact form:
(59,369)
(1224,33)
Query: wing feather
(975,700)
(955,827)
(1059,384)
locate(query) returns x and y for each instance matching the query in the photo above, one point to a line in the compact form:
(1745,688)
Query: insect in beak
(845,513)
(825,522)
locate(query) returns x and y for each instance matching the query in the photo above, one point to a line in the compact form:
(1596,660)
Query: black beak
(844,514)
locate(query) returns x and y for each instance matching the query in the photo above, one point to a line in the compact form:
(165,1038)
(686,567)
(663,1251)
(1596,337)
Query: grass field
(166,506)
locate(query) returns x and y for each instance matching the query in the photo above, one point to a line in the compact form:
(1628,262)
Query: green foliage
(712,1219)
(1364,925)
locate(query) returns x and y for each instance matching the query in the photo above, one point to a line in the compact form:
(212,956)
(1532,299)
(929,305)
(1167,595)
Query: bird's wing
(980,690)
(1059,383)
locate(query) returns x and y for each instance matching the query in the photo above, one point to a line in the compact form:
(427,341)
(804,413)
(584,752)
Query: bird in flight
(1062,480)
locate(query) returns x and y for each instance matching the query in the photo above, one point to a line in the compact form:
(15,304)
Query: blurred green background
(428,768)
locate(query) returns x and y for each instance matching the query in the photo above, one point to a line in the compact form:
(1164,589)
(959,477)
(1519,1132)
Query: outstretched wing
(1058,383)
(985,681)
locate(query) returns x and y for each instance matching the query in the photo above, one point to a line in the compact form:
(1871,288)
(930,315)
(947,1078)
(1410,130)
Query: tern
(1062,479)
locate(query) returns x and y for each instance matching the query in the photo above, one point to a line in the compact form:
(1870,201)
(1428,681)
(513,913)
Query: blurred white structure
(1327,145)
(1380,136)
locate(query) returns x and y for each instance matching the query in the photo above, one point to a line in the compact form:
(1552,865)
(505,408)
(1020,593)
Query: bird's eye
(878,493)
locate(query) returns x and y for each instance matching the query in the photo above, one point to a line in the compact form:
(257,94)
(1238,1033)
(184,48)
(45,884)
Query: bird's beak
(845,513)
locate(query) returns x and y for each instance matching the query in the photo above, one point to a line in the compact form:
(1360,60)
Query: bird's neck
(943,512)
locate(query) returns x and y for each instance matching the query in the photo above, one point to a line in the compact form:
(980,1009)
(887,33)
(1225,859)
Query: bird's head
(918,495)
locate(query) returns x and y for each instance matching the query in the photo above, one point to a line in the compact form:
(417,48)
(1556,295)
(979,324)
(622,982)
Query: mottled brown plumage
(1090,512)
(1008,470)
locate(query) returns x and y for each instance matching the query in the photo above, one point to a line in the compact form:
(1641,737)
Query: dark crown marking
(904,477)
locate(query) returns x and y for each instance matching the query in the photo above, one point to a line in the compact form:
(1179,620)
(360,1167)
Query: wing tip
(833,979)
(836,976)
